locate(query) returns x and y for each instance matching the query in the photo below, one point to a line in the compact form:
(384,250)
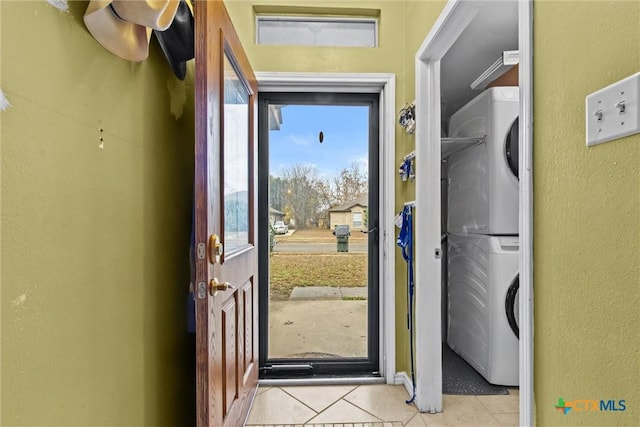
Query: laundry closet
(478,95)
(479,194)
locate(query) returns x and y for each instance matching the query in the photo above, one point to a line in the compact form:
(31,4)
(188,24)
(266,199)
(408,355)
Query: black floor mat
(458,377)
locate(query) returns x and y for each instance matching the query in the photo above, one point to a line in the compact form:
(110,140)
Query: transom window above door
(317,31)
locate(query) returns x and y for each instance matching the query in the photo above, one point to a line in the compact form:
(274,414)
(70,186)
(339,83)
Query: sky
(346,135)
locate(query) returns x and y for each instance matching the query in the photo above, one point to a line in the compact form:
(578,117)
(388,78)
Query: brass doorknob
(215,249)
(215,286)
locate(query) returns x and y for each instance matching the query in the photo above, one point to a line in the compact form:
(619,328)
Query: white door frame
(385,85)
(453,20)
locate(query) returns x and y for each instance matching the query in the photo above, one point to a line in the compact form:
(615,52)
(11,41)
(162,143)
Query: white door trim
(384,84)
(428,334)
(525,45)
(453,20)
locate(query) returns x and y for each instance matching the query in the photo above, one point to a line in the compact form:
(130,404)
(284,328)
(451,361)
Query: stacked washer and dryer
(482,233)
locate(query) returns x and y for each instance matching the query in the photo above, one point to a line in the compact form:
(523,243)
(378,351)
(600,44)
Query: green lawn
(289,270)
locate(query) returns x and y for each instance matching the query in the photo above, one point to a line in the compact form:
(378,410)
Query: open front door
(225,222)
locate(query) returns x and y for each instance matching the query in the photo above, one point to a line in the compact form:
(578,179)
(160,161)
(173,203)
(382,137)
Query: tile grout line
(302,403)
(349,392)
(482,405)
(373,415)
(417,414)
(362,409)
(355,406)
(354,387)
(494,418)
(489,409)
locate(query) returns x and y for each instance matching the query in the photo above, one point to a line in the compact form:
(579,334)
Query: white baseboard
(401,378)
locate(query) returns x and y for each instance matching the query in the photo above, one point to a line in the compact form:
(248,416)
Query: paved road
(310,247)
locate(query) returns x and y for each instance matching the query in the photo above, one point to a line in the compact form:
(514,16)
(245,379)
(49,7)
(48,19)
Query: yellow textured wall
(95,234)
(586,216)
(419,17)
(403,26)
(93,256)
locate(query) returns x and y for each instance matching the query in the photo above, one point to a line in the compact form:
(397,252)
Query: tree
(326,199)
(306,198)
(277,193)
(302,196)
(350,184)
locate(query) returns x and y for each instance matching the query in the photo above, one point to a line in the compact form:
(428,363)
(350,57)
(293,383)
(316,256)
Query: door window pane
(236,159)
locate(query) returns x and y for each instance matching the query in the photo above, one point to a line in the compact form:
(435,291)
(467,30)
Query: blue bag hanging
(405,241)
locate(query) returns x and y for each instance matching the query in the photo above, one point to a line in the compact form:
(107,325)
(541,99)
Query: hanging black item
(177,41)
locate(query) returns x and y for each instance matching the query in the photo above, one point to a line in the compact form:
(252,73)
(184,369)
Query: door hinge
(202,290)
(202,251)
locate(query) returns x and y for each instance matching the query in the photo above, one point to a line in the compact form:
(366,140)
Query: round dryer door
(511,147)
(512,306)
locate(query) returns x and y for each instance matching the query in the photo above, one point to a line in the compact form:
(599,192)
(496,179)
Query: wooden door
(225,222)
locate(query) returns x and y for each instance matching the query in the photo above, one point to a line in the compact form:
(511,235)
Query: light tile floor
(374,406)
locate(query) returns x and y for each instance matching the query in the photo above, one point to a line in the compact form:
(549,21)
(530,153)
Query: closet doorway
(319,244)
(464,28)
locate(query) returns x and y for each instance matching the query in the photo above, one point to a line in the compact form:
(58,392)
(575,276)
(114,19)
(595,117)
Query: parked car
(280,227)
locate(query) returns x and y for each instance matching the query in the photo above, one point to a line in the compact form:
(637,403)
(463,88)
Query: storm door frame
(309,368)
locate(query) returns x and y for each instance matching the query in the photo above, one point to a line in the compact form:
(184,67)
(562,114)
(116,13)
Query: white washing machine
(483,299)
(483,179)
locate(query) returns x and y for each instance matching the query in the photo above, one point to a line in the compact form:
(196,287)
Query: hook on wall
(407,118)
(407,168)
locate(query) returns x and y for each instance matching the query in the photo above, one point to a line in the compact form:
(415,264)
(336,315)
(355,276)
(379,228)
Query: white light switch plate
(613,112)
